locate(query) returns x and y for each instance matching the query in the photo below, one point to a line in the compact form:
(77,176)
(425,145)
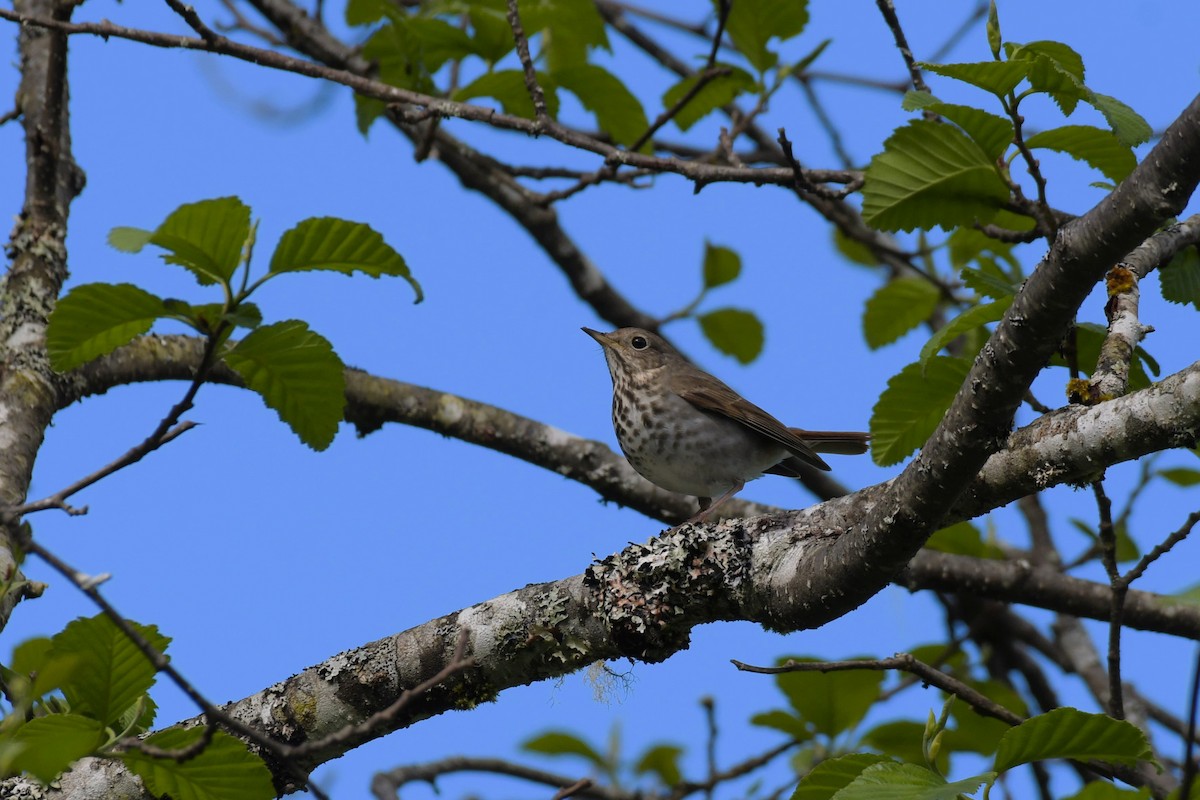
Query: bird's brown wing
(709,394)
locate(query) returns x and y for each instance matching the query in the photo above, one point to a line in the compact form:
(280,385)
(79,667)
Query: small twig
(710,750)
(802,184)
(1189,764)
(9,116)
(831,131)
(902,661)
(531,82)
(1162,548)
(979,12)
(180,755)
(1108,555)
(380,720)
(1047,222)
(574,789)
(1006,235)
(194,22)
(242,23)
(893,22)
(686,788)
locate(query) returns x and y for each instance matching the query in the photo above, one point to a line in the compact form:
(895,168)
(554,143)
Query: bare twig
(574,789)
(1108,554)
(888,9)
(1189,763)
(531,82)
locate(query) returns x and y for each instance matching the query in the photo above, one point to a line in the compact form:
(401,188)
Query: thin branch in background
(1041,210)
(979,12)
(574,789)
(180,755)
(907,663)
(1189,763)
(1108,555)
(888,10)
(387,785)
(1005,235)
(685,788)
(242,23)
(710,750)
(189,15)
(802,184)
(831,131)
(531,82)
(1162,548)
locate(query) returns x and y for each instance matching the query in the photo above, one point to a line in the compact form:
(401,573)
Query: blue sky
(260,557)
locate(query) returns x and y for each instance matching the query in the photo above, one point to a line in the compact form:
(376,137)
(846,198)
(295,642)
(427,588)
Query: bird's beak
(602,338)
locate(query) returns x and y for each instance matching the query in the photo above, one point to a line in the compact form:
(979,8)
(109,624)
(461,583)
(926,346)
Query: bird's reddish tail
(844,443)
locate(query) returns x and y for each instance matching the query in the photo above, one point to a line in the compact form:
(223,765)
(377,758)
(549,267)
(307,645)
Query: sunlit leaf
(224,770)
(896,308)
(338,245)
(1071,733)
(1099,148)
(50,744)
(735,332)
(113,673)
(94,319)
(912,405)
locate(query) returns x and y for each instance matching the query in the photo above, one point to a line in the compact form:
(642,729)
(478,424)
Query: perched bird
(686,431)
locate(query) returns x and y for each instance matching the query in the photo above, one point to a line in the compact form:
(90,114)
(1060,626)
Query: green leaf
(997,77)
(752,23)
(618,112)
(508,87)
(562,743)
(889,780)
(338,245)
(662,761)
(224,770)
(437,42)
(1179,278)
(853,250)
(1181,476)
(49,670)
(718,92)
(988,284)
(930,175)
(1129,126)
(825,779)
(969,320)
(366,111)
(896,308)
(206,238)
(721,265)
(912,405)
(113,673)
(1054,68)
(50,744)
(397,55)
(734,332)
(784,721)
(963,538)
(901,739)
(493,37)
(569,29)
(992,133)
(365,12)
(298,374)
(973,732)
(832,702)
(1099,148)
(94,319)
(1071,733)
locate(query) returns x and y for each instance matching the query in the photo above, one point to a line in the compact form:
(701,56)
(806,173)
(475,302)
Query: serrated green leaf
(896,308)
(753,23)
(825,779)
(784,721)
(1071,733)
(912,405)
(1101,149)
(734,331)
(969,320)
(661,761)
(338,245)
(618,112)
(992,133)
(997,77)
(205,238)
(1179,278)
(224,770)
(138,718)
(563,743)
(492,35)
(1054,68)
(1128,125)
(719,91)
(112,672)
(889,780)
(437,41)
(50,744)
(94,319)
(721,265)
(508,87)
(963,538)
(930,175)
(298,374)
(832,702)
(1181,476)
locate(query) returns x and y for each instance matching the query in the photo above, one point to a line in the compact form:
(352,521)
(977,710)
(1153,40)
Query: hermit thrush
(688,432)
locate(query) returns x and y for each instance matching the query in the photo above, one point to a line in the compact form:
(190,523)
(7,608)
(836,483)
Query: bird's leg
(708,505)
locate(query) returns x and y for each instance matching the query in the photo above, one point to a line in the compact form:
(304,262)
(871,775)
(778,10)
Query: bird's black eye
(639,343)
